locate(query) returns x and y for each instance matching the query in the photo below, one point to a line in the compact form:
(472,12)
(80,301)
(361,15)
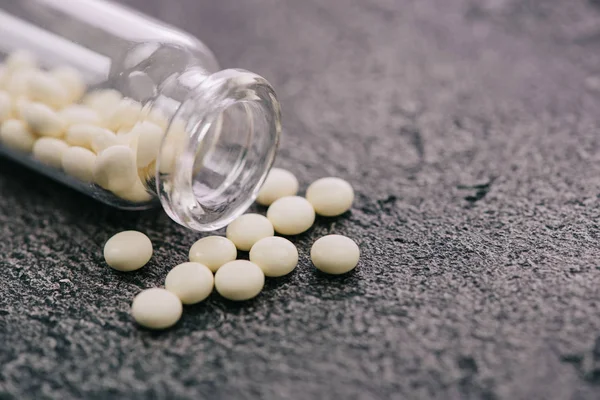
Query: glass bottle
(220,128)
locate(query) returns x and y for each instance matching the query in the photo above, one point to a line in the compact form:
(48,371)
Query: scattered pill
(78,114)
(279,183)
(45,88)
(330,196)
(43,120)
(6,106)
(128,251)
(79,163)
(213,251)
(335,254)
(291,215)
(102,139)
(248,229)
(150,138)
(49,151)
(276,256)
(239,280)
(156,308)
(136,194)
(72,81)
(192,282)
(115,168)
(15,135)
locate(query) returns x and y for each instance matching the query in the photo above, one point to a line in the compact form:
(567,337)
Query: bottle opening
(218,150)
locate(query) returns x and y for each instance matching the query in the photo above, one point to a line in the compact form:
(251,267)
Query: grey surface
(488,292)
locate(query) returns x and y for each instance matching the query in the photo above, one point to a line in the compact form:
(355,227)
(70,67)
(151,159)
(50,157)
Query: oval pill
(279,183)
(79,163)
(291,215)
(128,251)
(335,254)
(331,196)
(213,251)
(49,151)
(192,282)
(248,229)
(239,280)
(115,168)
(156,308)
(15,135)
(276,256)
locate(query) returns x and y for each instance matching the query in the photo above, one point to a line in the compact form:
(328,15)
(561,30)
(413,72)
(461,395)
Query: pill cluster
(96,136)
(212,260)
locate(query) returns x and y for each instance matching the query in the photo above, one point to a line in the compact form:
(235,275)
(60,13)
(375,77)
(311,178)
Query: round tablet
(248,229)
(335,254)
(192,282)
(128,251)
(239,280)
(276,256)
(291,215)
(330,196)
(213,251)
(279,183)
(156,308)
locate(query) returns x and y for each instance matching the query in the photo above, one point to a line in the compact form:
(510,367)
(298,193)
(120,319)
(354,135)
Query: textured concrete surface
(470,131)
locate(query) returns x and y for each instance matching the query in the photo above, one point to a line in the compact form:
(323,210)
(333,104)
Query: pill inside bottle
(153,118)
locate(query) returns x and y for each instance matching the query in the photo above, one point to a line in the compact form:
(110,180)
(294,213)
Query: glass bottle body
(201,140)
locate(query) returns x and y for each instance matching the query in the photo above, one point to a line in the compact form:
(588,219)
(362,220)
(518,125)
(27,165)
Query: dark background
(469,129)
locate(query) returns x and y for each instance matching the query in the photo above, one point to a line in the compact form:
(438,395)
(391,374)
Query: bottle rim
(210,172)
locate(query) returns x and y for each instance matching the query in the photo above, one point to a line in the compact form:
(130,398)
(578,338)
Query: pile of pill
(213,262)
(97,137)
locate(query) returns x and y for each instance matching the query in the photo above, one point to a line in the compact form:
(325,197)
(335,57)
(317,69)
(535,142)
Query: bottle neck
(220,144)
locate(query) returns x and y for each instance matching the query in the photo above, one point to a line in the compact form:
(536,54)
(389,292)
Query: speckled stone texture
(470,130)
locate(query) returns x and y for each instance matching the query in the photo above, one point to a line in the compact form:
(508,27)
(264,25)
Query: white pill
(335,254)
(43,120)
(192,282)
(156,308)
(50,151)
(213,251)
(239,280)
(248,229)
(46,89)
(276,256)
(154,116)
(72,80)
(128,251)
(79,163)
(18,83)
(330,196)
(136,194)
(291,215)
(6,106)
(82,135)
(150,138)
(104,101)
(115,168)
(102,139)
(20,59)
(279,183)
(15,135)
(78,114)
(125,115)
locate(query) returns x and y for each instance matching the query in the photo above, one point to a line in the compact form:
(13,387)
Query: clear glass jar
(220,128)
